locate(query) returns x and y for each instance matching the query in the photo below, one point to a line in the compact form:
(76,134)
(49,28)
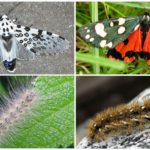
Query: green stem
(101,61)
(105,7)
(114,9)
(94,15)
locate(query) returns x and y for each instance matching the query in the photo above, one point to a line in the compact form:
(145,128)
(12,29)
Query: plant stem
(94,17)
(101,61)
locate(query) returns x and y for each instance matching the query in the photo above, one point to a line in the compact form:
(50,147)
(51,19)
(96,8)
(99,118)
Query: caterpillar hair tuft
(122,119)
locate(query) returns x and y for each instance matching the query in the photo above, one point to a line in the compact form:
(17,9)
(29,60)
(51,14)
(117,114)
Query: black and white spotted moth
(33,41)
(126,38)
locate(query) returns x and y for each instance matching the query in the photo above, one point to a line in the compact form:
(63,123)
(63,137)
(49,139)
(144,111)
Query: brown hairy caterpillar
(120,120)
(19,102)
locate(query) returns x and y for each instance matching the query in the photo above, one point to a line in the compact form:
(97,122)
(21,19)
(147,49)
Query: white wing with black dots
(40,42)
(17,41)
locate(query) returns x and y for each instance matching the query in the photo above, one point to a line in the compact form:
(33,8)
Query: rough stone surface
(55,17)
(140,139)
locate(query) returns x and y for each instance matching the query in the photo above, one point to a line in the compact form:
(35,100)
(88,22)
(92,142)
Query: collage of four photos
(75,75)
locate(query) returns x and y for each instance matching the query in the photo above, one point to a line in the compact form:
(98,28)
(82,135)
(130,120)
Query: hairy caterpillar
(16,106)
(119,120)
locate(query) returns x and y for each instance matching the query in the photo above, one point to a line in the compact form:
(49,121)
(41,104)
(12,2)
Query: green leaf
(144,5)
(118,65)
(50,121)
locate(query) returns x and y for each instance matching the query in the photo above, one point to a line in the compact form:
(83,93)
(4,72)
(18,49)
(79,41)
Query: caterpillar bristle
(18,103)
(122,119)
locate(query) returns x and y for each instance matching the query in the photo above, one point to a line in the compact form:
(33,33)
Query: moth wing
(8,51)
(23,53)
(109,32)
(40,42)
(2,57)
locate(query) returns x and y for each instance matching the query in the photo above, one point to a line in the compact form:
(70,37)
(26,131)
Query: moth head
(145,22)
(146,17)
(7,27)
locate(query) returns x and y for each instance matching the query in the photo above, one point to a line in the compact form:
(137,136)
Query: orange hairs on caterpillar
(119,120)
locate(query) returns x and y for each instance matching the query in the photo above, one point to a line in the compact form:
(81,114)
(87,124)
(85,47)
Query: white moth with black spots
(34,41)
